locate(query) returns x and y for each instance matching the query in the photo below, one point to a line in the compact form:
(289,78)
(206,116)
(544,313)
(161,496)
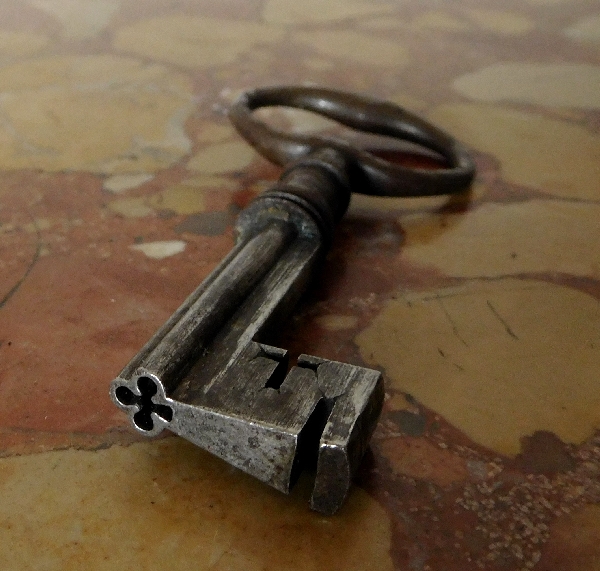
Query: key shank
(209,375)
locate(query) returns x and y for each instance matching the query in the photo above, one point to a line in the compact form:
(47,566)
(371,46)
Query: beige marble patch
(20,44)
(231,94)
(81,19)
(561,85)
(181,199)
(184,198)
(384,24)
(40,224)
(169,505)
(549,155)
(195,42)
(122,182)
(499,239)
(399,401)
(210,182)
(335,322)
(315,11)
(318,64)
(104,114)
(408,102)
(136,207)
(502,22)
(585,30)
(210,132)
(295,120)
(439,20)
(160,249)
(355,47)
(498,359)
(222,158)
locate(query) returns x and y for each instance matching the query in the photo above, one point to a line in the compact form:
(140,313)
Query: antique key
(208,373)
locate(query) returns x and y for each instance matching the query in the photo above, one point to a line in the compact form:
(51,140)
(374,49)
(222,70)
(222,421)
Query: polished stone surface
(120,179)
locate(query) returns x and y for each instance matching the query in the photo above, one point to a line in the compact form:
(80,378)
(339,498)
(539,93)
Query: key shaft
(210,375)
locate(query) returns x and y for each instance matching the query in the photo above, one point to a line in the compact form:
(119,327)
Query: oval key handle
(371,174)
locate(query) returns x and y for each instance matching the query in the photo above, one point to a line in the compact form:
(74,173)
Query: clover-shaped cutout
(146,406)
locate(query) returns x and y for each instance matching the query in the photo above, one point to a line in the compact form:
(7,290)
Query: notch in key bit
(209,374)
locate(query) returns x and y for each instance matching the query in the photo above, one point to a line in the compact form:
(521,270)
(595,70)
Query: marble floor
(120,180)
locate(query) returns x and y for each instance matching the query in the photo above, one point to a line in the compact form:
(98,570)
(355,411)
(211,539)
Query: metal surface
(210,375)
(370,174)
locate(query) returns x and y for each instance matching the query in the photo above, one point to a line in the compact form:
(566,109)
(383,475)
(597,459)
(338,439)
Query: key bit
(209,373)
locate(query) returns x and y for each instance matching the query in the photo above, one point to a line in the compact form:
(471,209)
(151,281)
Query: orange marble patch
(574,543)
(418,458)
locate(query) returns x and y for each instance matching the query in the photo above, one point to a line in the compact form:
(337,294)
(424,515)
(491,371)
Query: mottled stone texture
(120,180)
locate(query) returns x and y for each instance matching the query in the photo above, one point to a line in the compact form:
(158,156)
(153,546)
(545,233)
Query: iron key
(209,374)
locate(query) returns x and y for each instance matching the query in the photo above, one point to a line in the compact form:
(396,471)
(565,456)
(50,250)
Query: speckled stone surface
(120,179)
